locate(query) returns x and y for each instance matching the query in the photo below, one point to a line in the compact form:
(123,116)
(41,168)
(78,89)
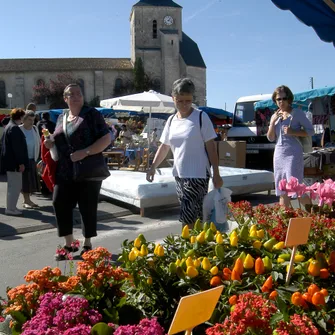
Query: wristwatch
(87,152)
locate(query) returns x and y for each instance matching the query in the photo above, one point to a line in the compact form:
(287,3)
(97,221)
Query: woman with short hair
(80,132)
(14,159)
(286,126)
(190,135)
(30,183)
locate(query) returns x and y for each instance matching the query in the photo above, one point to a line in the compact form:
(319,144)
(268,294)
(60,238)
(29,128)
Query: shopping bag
(215,208)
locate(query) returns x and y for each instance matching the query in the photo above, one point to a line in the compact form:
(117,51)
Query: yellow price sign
(194,310)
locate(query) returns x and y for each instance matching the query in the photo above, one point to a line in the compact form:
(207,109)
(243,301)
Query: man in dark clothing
(45,123)
(14,159)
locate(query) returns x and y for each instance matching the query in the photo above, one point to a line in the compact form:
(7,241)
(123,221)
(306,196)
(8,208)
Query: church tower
(166,52)
(156,30)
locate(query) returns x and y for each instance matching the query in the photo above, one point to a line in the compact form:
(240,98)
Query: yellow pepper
(299,258)
(160,251)
(137,242)
(234,241)
(249,262)
(193,239)
(214,270)
(279,246)
(201,237)
(212,227)
(260,233)
(219,238)
(144,250)
(189,261)
(149,281)
(185,233)
(132,256)
(206,265)
(192,272)
(197,262)
(257,244)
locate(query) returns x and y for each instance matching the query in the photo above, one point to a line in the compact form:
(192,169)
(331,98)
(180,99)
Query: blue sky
(249,46)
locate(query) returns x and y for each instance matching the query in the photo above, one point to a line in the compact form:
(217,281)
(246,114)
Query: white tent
(146,102)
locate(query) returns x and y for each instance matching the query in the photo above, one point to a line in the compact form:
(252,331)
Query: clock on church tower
(168,20)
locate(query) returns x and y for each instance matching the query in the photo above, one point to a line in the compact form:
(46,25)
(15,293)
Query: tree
(53,91)
(139,76)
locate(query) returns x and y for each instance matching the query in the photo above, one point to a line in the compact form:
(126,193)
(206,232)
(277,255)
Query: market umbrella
(146,102)
(318,14)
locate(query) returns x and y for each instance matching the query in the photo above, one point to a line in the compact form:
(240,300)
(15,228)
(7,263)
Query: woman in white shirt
(190,135)
(30,183)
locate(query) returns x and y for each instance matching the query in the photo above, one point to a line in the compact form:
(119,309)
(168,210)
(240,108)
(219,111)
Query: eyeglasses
(282,99)
(184,101)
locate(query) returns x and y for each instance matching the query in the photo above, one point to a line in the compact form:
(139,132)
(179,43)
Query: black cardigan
(14,148)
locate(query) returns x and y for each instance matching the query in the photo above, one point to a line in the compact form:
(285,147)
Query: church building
(156,37)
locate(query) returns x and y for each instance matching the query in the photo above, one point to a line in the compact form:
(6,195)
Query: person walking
(286,126)
(14,159)
(30,183)
(45,123)
(190,135)
(80,133)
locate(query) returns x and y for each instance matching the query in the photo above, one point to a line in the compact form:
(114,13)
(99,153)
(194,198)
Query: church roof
(64,64)
(163,3)
(190,52)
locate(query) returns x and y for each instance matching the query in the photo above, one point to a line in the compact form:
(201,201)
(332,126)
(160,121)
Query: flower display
(141,296)
(56,315)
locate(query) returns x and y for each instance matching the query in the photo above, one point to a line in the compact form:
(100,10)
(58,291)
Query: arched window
(118,87)
(154,29)
(42,99)
(2,94)
(156,85)
(82,85)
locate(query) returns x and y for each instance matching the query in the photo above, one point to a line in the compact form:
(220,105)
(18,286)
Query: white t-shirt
(187,142)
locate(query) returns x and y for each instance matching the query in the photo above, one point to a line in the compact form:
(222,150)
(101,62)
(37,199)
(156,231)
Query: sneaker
(12,212)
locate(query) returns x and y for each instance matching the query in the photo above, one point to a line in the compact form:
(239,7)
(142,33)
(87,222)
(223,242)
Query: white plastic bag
(215,207)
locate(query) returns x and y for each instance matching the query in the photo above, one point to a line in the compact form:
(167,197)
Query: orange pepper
(297,299)
(273,295)
(215,281)
(235,275)
(233,300)
(267,286)
(313,289)
(238,267)
(324,273)
(318,299)
(259,266)
(226,274)
(314,268)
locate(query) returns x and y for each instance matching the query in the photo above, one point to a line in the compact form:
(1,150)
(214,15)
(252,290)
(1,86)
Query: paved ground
(43,218)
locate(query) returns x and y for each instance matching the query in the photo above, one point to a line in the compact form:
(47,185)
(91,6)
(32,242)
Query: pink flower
(292,187)
(75,244)
(282,185)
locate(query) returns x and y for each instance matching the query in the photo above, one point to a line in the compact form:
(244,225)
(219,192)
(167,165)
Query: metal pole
(312,82)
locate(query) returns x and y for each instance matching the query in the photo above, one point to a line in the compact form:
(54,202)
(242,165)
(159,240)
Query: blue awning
(299,97)
(318,14)
(215,111)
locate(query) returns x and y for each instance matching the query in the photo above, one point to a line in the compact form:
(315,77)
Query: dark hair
(183,86)
(17,114)
(286,90)
(45,116)
(31,106)
(67,89)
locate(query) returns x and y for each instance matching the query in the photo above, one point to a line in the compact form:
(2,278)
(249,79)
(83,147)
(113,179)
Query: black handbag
(91,168)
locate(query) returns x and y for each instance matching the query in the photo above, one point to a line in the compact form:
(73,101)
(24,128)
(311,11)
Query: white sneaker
(14,212)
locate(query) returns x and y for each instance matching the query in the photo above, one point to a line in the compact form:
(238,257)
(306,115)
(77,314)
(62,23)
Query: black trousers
(66,196)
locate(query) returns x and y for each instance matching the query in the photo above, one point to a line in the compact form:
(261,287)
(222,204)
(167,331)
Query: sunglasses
(282,99)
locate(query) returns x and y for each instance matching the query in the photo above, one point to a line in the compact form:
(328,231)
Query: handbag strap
(65,130)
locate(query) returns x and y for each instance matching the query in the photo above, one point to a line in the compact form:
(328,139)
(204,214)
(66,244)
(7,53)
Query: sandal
(62,254)
(30,206)
(85,249)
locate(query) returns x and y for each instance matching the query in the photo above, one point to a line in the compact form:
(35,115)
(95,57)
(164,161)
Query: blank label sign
(298,231)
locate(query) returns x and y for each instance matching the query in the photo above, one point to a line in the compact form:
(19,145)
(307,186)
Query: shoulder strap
(170,119)
(200,119)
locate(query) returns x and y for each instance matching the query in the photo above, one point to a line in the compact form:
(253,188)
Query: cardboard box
(232,153)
